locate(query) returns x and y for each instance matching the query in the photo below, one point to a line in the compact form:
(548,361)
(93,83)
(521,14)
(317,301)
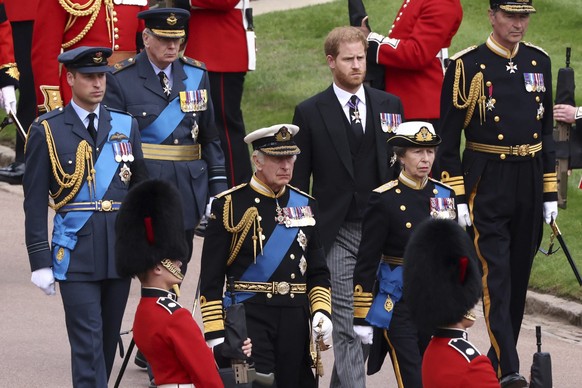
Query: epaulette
(225,192)
(193,62)
(169,304)
(300,192)
(463,52)
(386,186)
(528,44)
(439,183)
(123,65)
(110,109)
(464,347)
(49,115)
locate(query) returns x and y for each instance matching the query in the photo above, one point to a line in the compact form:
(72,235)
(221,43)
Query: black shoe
(13,173)
(200,230)
(140,360)
(513,380)
(152,384)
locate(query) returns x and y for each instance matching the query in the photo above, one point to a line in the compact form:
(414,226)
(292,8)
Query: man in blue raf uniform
(86,157)
(170,98)
(264,235)
(500,94)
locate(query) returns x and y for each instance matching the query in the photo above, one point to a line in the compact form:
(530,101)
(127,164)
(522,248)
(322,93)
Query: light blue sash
(273,253)
(172,115)
(68,224)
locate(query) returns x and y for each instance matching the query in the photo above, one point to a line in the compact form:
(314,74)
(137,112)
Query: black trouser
(26,111)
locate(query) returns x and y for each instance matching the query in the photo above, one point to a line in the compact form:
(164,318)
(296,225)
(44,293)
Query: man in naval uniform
(86,157)
(170,98)
(500,95)
(264,234)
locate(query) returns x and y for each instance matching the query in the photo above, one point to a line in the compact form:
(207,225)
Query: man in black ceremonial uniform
(500,94)
(265,235)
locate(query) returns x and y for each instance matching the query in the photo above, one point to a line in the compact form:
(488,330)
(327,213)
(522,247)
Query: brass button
(259,218)
(292,256)
(408,225)
(143,113)
(435,191)
(500,136)
(116,47)
(497,119)
(269,295)
(292,276)
(398,191)
(176,141)
(402,207)
(502,156)
(535,135)
(482,66)
(257,200)
(534,62)
(488,83)
(291,296)
(116,36)
(116,29)
(538,98)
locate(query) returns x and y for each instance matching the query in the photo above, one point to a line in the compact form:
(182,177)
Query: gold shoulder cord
(240,231)
(84,157)
(476,93)
(92,7)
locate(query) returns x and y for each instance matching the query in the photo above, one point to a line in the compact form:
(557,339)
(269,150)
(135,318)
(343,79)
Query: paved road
(35,352)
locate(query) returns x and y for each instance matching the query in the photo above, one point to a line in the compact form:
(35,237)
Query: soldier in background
(568,114)
(67,24)
(265,235)
(86,157)
(500,95)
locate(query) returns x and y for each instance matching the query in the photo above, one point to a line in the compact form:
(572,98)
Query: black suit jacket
(326,157)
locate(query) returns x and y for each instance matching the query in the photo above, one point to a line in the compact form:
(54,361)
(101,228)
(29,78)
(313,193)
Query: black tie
(355,118)
(165,82)
(91,126)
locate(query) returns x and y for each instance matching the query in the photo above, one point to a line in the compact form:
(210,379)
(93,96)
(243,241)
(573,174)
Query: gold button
(116,47)
(143,113)
(534,62)
(292,256)
(70,161)
(435,191)
(130,60)
(493,100)
(116,36)
(291,296)
(262,236)
(259,218)
(257,200)
(502,156)
(114,13)
(292,276)
(537,98)
(482,66)
(176,141)
(269,295)
(398,191)
(408,225)
(116,29)
(402,207)
(497,119)
(500,136)
(488,83)
(535,135)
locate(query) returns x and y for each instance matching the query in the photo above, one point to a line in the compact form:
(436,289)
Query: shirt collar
(82,113)
(344,96)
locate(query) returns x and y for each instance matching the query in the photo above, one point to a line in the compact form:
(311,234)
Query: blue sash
(273,253)
(67,225)
(172,115)
(390,292)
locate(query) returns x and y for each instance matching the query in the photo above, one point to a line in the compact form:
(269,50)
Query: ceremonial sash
(390,292)
(273,253)
(172,115)
(67,225)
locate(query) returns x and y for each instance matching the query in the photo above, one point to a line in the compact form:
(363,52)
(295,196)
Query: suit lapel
(76,124)
(378,105)
(332,115)
(104,125)
(178,77)
(146,71)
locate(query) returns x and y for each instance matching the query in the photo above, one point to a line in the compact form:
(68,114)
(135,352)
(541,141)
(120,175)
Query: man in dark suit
(170,97)
(343,148)
(86,157)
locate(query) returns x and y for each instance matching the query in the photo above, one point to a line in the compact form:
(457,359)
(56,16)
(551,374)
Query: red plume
(149,230)
(463,262)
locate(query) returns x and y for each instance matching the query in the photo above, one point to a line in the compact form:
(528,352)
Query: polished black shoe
(12,173)
(200,230)
(140,360)
(513,380)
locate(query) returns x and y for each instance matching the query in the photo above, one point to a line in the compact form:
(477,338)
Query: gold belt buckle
(523,150)
(282,288)
(106,206)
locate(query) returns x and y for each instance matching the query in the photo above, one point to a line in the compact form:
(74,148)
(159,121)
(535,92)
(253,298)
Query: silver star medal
(167,87)
(195,130)
(490,103)
(303,265)
(356,117)
(302,239)
(511,67)
(541,111)
(125,174)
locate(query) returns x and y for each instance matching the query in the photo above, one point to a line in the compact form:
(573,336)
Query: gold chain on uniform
(476,93)
(92,7)
(240,230)
(84,157)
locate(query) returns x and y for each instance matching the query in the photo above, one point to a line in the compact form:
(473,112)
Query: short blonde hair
(340,35)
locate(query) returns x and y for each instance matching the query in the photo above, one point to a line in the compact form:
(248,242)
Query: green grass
(291,67)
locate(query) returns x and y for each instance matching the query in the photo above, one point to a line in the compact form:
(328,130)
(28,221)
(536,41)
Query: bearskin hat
(442,280)
(149,228)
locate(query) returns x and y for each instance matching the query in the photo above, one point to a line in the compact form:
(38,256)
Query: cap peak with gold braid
(415,134)
(86,59)
(515,6)
(276,140)
(166,22)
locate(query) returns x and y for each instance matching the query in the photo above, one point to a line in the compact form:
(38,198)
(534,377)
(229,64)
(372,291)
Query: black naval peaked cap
(166,22)
(515,6)
(149,228)
(85,59)
(276,140)
(441,278)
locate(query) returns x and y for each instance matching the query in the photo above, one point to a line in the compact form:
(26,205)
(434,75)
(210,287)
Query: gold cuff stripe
(360,312)
(211,326)
(180,153)
(550,182)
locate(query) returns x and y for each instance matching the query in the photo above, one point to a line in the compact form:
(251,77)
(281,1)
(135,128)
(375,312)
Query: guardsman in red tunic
(414,51)
(150,243)
(442,284)
(8,71)
(71,23)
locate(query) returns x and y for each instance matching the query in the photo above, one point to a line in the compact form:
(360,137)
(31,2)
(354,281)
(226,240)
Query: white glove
(8,98)
(213,342)
(366,334)
(550,211)
(208,207)
(44,279)
(326,327)
(464,218)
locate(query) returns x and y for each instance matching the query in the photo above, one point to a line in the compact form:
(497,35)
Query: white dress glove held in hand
(464,218)
(209,207)
(550,211)
(8,98)
(213,342)
(326,327)
(44,279)
(366,333)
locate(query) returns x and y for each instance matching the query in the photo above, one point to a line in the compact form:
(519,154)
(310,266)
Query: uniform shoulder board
(300,192)
(463,52)
(439,183)
(386,186)
(169,304)
(528,44)
(117,67)
(110,109)
(464,347)
(193,62)
(49,115)
(235,188)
